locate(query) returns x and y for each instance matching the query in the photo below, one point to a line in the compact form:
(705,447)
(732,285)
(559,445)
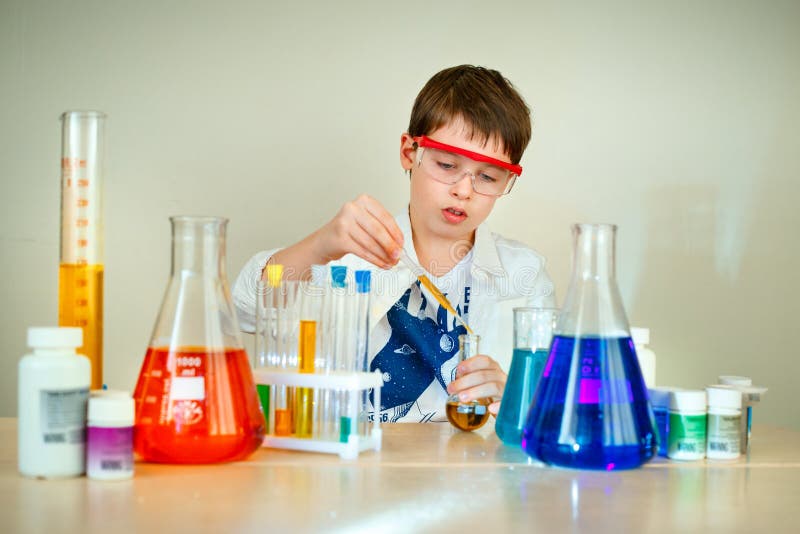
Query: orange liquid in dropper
(442,300)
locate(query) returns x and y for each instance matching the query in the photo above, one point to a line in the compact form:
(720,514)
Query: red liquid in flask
(195,405)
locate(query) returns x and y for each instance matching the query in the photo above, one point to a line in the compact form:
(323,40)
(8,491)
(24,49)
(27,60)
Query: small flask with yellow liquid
(467,416)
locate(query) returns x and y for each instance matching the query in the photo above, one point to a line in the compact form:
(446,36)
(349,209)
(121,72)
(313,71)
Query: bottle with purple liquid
(591,409)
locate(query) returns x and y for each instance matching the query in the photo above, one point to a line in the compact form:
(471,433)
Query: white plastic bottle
(724,422)
(647,358)
(688,420)
(109,443)
(53,393)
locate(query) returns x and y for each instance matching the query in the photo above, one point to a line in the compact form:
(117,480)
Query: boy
(467,122)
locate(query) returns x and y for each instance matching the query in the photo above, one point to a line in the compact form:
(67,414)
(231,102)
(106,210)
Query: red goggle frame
(426,142)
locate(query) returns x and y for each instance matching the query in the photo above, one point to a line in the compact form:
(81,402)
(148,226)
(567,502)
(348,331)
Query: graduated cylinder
(80,275)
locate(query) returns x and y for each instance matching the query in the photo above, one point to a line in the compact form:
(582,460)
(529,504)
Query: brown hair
(484,99)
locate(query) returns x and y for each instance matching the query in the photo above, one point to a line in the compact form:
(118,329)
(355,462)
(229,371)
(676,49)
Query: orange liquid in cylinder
(195,405)
(80,303)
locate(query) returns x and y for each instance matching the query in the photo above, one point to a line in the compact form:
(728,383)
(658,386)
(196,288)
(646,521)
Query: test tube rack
(354,382)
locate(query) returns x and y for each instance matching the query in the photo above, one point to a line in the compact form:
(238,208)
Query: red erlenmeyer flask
(196,400)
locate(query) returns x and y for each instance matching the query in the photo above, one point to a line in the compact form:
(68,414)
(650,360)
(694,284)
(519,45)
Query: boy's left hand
(479,377)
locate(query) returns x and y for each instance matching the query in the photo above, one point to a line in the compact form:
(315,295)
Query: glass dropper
(425,281)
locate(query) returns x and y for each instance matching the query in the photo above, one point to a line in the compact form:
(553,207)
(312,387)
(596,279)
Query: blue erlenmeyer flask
(591,409)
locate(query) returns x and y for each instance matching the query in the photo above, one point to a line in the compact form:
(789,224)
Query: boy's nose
(463,187)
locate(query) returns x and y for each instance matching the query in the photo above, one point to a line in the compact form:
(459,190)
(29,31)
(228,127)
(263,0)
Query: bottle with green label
(687,425)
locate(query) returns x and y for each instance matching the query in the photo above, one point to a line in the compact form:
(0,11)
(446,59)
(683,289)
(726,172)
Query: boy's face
(447,211)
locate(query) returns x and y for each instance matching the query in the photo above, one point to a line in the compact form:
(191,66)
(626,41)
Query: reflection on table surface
(427,478)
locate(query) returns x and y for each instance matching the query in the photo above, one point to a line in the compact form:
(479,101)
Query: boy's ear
(408,152)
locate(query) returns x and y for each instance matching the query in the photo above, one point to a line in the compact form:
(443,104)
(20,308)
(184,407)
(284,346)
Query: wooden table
(427,478)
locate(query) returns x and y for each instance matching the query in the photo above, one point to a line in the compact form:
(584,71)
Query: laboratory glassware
(533,331)
(363,280)
(343,349)
(591,408)
(80,273)
(309,303)
(430,286)
(473,414)
(285,352)
(265,346)
(196,400)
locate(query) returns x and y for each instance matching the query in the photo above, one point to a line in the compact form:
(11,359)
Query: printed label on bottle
(723,434)
(109,450)
(687,436)
(64,416)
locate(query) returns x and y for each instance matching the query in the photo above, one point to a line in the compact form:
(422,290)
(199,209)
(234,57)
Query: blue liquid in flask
(523,377)
(602,419)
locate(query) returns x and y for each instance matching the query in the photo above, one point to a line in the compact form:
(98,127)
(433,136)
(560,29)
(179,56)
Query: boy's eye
(445,165)
(489,179)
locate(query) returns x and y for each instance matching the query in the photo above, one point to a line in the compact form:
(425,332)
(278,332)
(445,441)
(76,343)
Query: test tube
(339,332)
(80,273)
(322,401)
(363,279)
(281,410)
(349,358)
(266,352)
(307,346)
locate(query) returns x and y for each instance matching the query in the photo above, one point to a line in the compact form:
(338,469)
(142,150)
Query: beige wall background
(678,121)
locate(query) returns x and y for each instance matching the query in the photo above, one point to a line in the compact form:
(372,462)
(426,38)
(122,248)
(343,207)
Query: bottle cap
(722,396)
(688,400)
(732,380)
(338,275)
(751,393)
(641,336)
(659,396)
(111,407)
(274,274)
(54,337)
(362,281)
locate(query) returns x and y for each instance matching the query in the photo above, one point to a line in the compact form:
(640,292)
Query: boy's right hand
(362,227)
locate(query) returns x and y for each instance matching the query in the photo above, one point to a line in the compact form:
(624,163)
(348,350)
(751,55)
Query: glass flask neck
(593,305)
(533,327)
(468,346)
(594,247)
(198,245)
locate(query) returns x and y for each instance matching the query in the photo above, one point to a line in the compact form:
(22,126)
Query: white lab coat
(505,274)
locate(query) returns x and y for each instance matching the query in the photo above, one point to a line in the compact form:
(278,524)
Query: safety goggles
(448,164)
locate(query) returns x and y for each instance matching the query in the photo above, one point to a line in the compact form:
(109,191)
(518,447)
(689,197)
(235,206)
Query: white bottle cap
(689,400)
(641,336)
(659,396)
(731,380)
(54,337)
(752,393)
(722,396)
(110,407)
